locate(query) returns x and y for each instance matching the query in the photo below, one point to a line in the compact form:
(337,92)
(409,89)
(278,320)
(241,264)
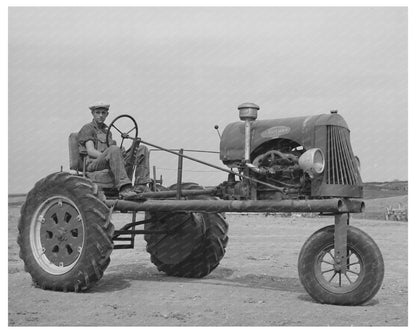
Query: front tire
(65,235)
(326,283)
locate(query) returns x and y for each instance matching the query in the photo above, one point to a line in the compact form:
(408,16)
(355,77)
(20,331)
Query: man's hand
(123,152)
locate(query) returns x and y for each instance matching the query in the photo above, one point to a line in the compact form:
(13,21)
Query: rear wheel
(326,282)
(194,244)
(65,233)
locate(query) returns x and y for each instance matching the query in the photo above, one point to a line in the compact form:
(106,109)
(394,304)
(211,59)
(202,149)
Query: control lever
(216,128)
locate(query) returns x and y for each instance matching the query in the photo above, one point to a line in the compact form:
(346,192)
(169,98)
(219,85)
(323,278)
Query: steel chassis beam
(333,206)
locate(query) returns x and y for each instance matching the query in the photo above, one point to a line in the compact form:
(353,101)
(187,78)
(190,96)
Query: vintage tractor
(303,164)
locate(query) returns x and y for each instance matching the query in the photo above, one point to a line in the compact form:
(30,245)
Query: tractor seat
(103,178)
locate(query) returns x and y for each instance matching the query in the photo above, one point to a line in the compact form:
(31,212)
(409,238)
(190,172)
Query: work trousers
(113,159)
(141,173)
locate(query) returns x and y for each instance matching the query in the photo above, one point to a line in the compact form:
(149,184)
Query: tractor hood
(298,129)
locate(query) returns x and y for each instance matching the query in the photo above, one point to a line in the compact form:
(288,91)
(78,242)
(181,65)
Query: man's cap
(99,105)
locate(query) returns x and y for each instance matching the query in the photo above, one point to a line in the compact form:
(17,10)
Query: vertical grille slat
(340,160)
(341,166)
(335,153)
(356,173)
(345,160)
(330,162)
(350,161)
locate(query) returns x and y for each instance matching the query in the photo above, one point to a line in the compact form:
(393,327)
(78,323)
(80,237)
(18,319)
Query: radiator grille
(341,164)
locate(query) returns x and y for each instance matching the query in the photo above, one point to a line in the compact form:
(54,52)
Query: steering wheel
(124,135)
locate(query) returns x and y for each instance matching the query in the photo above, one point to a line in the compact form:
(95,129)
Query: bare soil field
(256,284)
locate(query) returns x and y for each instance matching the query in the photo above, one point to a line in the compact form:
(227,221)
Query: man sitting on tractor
(92,138)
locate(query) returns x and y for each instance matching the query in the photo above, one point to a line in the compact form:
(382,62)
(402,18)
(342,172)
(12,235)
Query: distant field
(375,209)
(16,199)
(375,190)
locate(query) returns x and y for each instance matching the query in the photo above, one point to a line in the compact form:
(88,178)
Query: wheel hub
(337,267)
(58,235)
(62,235)
(336,276)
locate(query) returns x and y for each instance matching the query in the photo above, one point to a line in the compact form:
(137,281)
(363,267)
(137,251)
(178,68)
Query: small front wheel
(329,283)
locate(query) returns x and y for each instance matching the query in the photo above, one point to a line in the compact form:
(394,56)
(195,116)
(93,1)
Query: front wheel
(329,283)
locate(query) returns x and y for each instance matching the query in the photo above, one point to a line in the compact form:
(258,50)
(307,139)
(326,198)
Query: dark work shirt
(97,134)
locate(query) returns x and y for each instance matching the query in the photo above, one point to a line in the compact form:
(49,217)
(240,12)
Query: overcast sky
(180,71)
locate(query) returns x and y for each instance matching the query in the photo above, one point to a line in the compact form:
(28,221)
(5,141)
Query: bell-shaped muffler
(312,162)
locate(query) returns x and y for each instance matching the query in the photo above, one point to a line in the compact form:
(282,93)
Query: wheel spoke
(329,252)
(347,277)
(348,270)
(130,130)
(355,263)
(50,225)
(60,214)
(329,270)
(339,279)
(117,129)
(332,277)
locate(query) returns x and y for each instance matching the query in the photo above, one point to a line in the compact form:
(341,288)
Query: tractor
(292,165)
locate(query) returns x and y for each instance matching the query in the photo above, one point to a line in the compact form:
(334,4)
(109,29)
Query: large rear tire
(65,235)
(324,280)
(194,245)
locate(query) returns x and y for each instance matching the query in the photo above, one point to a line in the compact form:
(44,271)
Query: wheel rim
(333,277)
(57,235)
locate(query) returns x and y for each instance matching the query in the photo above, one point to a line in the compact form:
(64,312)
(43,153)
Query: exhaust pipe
(248,113)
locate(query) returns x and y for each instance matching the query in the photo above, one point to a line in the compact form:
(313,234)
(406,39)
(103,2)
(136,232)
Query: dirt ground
(256,284)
